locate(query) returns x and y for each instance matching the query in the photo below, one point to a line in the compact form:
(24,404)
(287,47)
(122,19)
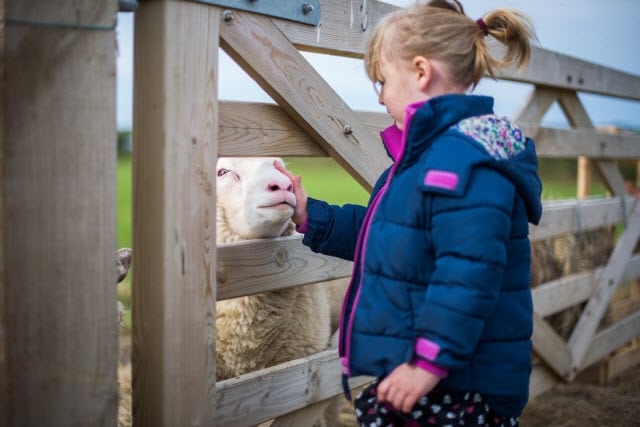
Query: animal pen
(58,328)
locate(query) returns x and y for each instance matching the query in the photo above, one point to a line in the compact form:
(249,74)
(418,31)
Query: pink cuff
(430,367)
(304,227)
(427,349)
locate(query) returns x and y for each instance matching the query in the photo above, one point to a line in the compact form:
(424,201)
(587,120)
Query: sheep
(123,263)
(254,200)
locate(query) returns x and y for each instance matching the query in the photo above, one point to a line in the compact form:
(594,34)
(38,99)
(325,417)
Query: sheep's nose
(279,185)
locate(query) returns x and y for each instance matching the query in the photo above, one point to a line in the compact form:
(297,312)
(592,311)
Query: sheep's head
(254,200)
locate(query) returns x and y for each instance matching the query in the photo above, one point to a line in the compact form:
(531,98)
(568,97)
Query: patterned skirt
(438,408)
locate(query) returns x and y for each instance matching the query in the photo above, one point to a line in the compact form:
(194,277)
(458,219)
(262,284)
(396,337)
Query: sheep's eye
(223,171)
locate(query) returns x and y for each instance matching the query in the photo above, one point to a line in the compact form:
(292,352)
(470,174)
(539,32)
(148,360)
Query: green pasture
(324,179)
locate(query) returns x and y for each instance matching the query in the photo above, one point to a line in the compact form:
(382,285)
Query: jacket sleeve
(333,230)
(470,222)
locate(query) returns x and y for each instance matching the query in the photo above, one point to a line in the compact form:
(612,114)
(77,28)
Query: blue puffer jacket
(441,255)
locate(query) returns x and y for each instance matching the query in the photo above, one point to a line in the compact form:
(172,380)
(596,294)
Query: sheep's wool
(258,331)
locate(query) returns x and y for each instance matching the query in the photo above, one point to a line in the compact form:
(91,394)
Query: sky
(605,33)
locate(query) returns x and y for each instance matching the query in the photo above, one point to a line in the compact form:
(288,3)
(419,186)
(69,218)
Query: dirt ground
(580,404)
(584,404)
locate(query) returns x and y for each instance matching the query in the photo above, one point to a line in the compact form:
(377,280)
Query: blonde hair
(441,31)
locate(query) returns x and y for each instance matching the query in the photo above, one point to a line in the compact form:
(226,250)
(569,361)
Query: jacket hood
(514,155)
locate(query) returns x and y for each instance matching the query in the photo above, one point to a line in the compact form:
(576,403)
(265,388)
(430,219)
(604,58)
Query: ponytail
(512,29)
(440,30)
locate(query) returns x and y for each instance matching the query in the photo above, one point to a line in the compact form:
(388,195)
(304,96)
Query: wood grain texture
(309,416)
(573,216)
(268,393)
(550,346)
(174,157)
(57,215)
(583,334)
(250,129)
(542,379)
(341,33)
(257,45)
(249,267)
(612,338)
(590,143)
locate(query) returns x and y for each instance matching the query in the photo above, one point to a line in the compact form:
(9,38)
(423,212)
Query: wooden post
(174,244)
(583,180)
(58,327)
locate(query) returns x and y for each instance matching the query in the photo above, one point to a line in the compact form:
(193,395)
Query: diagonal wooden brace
(585,330)
(536,106)
(264,52)
(551,347)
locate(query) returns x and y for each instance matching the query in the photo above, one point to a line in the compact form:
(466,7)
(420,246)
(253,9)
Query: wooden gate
(181,128)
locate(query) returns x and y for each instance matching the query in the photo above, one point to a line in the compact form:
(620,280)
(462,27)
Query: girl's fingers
(282,169)
(295,180)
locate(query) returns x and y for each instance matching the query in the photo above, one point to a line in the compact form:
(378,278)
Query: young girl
(439,308)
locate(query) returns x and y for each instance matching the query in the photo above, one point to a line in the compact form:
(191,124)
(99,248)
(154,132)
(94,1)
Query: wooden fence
(180,129)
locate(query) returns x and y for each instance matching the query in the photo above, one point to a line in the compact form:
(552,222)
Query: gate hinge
(303,11)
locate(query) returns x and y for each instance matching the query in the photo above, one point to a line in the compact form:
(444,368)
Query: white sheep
(254,200)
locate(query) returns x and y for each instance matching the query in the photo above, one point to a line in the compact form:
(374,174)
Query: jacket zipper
(344,342)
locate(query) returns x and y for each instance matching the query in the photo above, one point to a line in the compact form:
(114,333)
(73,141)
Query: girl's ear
(424,72)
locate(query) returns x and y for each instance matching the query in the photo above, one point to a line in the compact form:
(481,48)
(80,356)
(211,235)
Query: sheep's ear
(123,262)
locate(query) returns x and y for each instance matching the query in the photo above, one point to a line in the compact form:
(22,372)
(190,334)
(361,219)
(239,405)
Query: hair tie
(483,26)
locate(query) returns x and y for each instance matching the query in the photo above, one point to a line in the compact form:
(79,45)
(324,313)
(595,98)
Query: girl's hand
(300,211)
(405,385)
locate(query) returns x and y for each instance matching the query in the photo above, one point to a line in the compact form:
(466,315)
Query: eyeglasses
(377,87)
